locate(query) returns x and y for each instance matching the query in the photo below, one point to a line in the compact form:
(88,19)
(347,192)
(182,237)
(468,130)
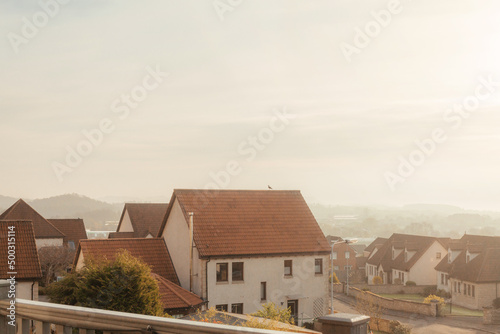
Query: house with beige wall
(239,249)
(405,257)
(471,271)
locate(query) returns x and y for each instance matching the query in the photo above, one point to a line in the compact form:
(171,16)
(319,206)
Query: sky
(351,102)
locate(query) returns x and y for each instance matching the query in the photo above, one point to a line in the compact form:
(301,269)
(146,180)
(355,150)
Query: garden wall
(394,304)
(392,288)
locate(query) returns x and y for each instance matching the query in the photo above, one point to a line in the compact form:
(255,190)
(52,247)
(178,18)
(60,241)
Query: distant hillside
(6,202)
(94,213)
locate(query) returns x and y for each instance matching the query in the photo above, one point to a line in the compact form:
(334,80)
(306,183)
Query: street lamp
(347,241)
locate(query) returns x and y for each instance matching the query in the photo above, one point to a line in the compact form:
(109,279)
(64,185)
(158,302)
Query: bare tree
(366,304)
(54,261)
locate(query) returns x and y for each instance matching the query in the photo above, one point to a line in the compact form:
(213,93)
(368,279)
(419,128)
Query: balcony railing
(87,320)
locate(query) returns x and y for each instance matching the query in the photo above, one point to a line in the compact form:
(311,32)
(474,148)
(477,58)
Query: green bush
(411,283)
(378,280)
(124,284)
(398,328)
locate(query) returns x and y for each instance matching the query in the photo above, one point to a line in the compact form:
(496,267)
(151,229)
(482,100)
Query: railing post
(45,328)
(25,324)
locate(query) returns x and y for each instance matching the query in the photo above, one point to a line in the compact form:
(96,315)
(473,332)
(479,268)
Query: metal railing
(65,318)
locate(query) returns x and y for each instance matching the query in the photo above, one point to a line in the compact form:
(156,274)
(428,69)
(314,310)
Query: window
(442,278)
(459,287)
(455,286)
(347,255)
(468,290)
(71,244)
(222,307)
(221,273)
(334,255)
(237,308)
(288,268)
(237,271)
(347,267)
(393,253)
(438,255)
(263,291)
(335,267)
(318,266)
(473,291)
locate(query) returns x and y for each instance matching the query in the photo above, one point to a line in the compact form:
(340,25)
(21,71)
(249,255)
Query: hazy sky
(361,94)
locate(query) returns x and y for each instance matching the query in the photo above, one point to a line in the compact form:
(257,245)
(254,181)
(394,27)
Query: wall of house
(341,261)
(483,294)
(126,224)
(423,272)
(23,290)
(176,235)
(371,273)
(48,242)
(309,288)
(440,285)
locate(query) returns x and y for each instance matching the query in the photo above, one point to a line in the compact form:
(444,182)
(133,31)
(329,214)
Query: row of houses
(467,268)
(230,249)
(235,249)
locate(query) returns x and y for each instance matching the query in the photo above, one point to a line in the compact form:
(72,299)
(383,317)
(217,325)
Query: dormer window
(393,253)
(406,256)
(467,258)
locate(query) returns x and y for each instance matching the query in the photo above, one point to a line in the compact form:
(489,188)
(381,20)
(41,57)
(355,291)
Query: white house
(248,248)
(405,257)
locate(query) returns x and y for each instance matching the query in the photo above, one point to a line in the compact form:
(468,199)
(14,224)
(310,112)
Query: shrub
(496,303)
(411,283)
(335,278)
(378,280)
(443,293)
(398,328)
(124,284)
(273,312)
(430,290)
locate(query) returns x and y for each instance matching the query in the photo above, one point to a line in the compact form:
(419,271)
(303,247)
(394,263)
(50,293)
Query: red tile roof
(153,251)
(250,222)
(27,264)
(145,217)
(73,229)
(22,211)
(175,297)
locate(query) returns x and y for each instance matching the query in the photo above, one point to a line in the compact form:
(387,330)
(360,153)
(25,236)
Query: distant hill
(94,213)
(6,202)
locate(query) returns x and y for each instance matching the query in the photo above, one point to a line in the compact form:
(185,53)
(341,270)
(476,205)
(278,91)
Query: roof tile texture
(173,296)
(153,251)
(251,222)
(145,217)
(27,264)
(73,229)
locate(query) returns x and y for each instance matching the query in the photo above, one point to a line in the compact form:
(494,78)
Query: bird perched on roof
(269,187)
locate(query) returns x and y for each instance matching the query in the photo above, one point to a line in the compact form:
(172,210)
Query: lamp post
(347,241)
(351,241)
